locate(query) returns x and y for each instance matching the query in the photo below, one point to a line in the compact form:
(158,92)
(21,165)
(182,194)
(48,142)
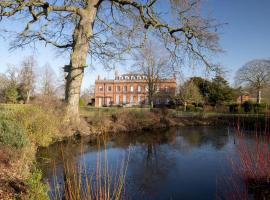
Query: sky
(246,36)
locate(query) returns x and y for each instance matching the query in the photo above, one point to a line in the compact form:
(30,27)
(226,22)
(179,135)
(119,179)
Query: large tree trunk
(81,36)
(27,97)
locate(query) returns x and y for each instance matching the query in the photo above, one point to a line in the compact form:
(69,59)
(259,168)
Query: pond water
(183,163)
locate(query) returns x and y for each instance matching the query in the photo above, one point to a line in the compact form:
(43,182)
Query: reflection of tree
(154,155)
(194,137)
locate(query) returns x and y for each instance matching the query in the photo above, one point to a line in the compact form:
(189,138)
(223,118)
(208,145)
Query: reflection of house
(131,89)
(243,97)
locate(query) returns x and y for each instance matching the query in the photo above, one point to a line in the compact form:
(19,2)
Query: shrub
(11,93)
(247,106)
(41,125)
(37,189)
(234,107)
(190,107)
(258,108)
(114,118)
(82,102)
(199,109)
(12,134)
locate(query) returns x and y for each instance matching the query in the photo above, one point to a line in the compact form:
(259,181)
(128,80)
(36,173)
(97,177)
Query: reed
(251,167)
(101,184)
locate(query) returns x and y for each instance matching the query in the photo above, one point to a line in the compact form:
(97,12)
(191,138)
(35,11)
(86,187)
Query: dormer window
(139,77)
(144,77)
(121,78)
(127,77)
(132,77)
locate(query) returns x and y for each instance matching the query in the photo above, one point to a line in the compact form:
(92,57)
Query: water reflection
(180,163)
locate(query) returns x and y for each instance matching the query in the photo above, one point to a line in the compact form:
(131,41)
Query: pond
(183,163)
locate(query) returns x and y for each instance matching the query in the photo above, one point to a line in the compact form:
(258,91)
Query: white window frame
(118,88)
(131,99)
(124,99)
(139,99)
(100,88)
(139,88)
(117,99)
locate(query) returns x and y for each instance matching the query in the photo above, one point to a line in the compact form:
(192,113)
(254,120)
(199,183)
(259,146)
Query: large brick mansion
(131,89)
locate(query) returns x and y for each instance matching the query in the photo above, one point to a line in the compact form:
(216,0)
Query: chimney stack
(116,74)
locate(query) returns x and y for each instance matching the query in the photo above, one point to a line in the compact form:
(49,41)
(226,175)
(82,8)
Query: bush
(82,102)
(12,134)
(37,189)
(259,108)
(247,106)
(41,125)
(234,107)
(11,93)
(199,109)
(190,107)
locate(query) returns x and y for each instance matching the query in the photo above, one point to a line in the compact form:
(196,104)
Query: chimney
(116,74)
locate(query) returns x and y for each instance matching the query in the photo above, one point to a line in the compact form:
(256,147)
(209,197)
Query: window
(124,99)
(139,77)
(127,77)
(132,77)
(118,88)
(100,88)
(157,88)
(139,88)
(125,88)
(109,88)
(146,100)
(131,99)
(131,88)
(146,88)
(139,99)
(118,99)
(166,89)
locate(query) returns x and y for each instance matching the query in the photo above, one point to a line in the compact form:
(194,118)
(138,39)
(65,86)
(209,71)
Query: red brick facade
(131,90)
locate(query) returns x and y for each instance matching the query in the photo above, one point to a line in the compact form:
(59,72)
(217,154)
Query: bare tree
(255,74)
(189,93)
(96,27)
(48,81)
(27,78)
(154,62)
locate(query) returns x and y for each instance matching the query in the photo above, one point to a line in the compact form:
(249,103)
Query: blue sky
(245,37)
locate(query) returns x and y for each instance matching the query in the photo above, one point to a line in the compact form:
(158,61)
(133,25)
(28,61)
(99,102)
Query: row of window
(131,99)
(125,88)
(131,78)
(108,101)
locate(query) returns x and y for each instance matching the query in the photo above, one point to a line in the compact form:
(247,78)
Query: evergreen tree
(11,93)
(220,91)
